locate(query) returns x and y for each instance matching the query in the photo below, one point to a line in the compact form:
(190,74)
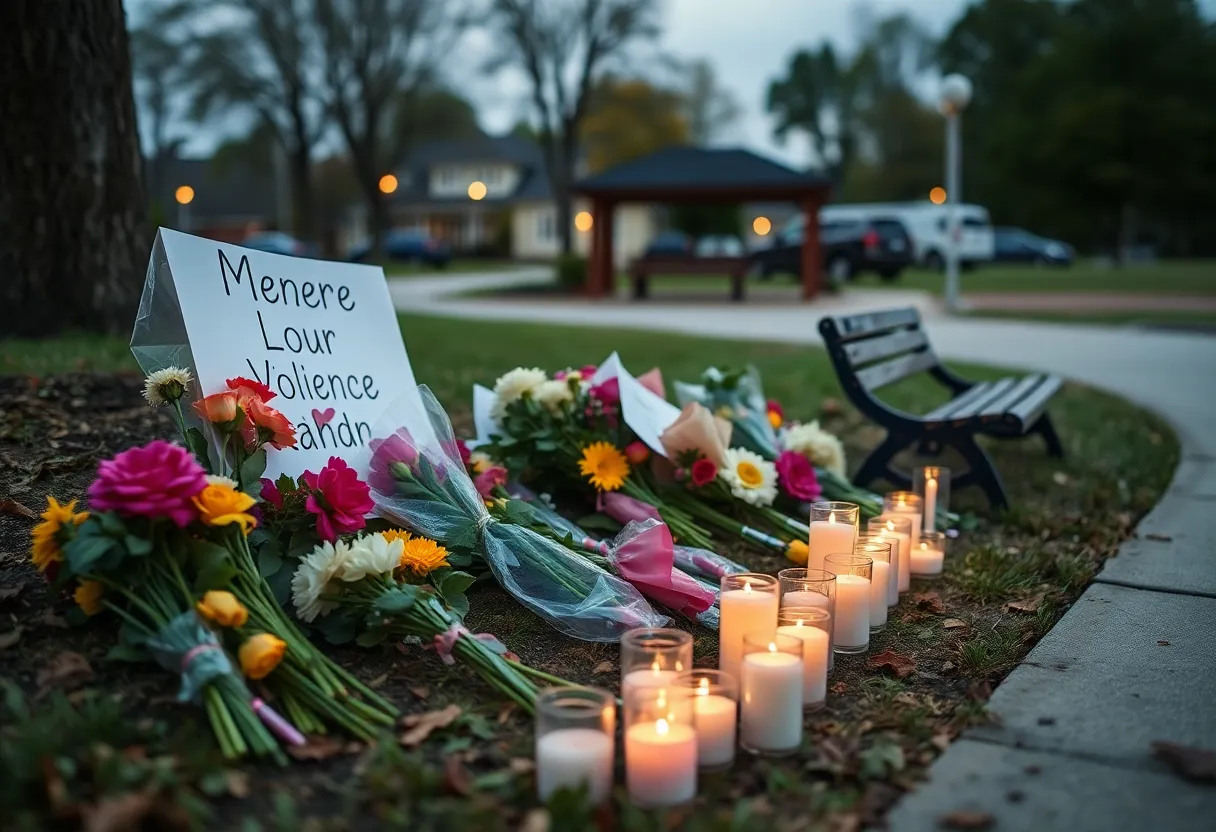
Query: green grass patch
(1159,319)
(1183,277)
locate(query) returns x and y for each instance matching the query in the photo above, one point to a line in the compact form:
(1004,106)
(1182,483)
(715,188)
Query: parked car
(720,245)
(669,244)
(848,248)
(1016,245)
(409,246)
(277,242)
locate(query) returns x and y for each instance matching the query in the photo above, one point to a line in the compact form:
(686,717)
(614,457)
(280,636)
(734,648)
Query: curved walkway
(1131,663)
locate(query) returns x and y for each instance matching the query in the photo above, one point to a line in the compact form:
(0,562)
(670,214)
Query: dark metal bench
(874,349)
(675,265)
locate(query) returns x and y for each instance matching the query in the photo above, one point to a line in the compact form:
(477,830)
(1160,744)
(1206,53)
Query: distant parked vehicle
(720,245)
(407,246)
(277,242)
(848,248)
(1016,245)
(669,244)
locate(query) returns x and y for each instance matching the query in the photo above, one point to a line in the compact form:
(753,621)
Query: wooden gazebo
(696,174)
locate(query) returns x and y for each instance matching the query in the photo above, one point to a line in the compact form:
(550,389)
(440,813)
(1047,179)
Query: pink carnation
(490,479)
(157,480)
(797,476)
(608,393)
(339,499)
(387,452)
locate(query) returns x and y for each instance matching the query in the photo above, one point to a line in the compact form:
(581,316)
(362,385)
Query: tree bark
(73,239)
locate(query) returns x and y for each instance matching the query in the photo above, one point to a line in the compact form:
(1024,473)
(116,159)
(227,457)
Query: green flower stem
(218,728)
(310,694)
(372,714)
(239,748)
(300,716)
(539,674)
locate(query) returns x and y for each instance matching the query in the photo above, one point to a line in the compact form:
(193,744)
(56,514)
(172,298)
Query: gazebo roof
(699,173)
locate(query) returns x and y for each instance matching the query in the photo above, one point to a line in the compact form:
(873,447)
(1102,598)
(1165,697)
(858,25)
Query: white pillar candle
(572,757)
(742,611)
(772,701)
(927,560)
(851,628)
(829,537)
(661,763)
(816,650)
(878,593)
(930,503)
(905,546)
(716,718)
(651,676)
(805,598)
(895,575)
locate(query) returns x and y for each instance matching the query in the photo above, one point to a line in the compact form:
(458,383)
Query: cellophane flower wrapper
(438,499)
(186,646)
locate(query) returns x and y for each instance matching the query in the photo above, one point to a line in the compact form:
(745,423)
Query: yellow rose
(261,654)
(222,505)
(88,597)
(222,608)
(798,552)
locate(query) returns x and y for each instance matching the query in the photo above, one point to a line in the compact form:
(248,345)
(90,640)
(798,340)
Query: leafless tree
(710,109)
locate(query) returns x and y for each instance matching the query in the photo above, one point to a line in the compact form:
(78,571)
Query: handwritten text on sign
(322,335)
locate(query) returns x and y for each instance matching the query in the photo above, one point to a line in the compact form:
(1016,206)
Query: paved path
(1133,661)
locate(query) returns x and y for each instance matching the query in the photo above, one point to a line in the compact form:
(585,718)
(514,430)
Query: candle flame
(661,728)
(772,647)
(798,623)
(831,517)
(931,481)
(655,666)
(703,689)
(747,586)
(661,701)
(924,546)
(679,666)
(890,525)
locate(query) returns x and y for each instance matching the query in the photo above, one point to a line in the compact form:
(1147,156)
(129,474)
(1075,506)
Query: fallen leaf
(10,638)
(120,813)
(980,691)
(11,591)
(1195,764)
(10,506)
(966,820)
(456,776)
(1060,478)
(536,820)
(521,765)
(51,620)
(947,666)
(421,725)
(954,623)
(941,741)
(603,667)
(901,666)
(1163,643)
(929,602)
(378,681)
(504,713)
(421,691)
(318,748)
(1030,605)
(66,671)
(1161,538)
(237,783)
(839,688)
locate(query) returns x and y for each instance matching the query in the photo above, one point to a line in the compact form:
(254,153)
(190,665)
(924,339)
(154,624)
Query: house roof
(693,172)
(510,149)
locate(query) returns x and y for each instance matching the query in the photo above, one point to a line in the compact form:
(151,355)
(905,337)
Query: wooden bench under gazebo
(698,175)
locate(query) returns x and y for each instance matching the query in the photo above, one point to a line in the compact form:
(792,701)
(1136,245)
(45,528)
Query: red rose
(703,472)
(797,477)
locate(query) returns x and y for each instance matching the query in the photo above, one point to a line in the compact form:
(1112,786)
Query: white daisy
(553,394)
(371,554)
(511,386)
(751,477)
(215,479)
(316,573)
(166,386)
(817,445)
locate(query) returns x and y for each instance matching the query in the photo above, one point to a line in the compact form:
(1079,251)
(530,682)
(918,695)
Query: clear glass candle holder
(655,655)
(907,504)
(809,588)
(833,529)
(879,550)
(748,602)
(813,627)
(929,556)
(715,713)
(932,485)
(660,745)
(770,722)
(851,623)
(898,529)
(574,741)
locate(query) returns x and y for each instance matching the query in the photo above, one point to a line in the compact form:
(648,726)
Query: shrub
(571,272)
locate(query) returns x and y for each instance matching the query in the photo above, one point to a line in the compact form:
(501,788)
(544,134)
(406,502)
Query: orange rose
(268,425)
(218,408)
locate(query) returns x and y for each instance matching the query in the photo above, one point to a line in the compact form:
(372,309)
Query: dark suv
(848,248)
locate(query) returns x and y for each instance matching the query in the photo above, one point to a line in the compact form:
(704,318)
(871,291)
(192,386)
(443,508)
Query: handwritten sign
(646,413)
(321,335)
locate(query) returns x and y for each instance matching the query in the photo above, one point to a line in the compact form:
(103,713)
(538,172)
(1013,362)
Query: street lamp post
(184,196)
(955,95)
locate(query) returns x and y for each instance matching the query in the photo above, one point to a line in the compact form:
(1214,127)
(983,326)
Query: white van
(927,224)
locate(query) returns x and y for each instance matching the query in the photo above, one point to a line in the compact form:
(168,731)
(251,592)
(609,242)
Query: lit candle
(661,763)
(929,555)
(749,608)
(573,757)
(829,536)
(930,502)
(816,649)
(879,585)
(884,528)
(772,699)
(806,598)
(851,630)
(716,719)
(654,676)
(912,515)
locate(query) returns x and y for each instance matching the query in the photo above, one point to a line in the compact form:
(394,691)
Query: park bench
(874,349)
(677,265)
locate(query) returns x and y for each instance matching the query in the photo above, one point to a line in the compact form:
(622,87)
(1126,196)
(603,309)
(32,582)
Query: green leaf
(82,551)
(197,443)
(280,586)
(371,638)
(112,524)
(252,469)
(302,542)
(127,653)
(519,513)
(215,575)
(881,760)
(458,605)
(461,559)
(396,600)
(455,583)
(269,561)
(337,629)
(285,484)
(137,546)
(463,537)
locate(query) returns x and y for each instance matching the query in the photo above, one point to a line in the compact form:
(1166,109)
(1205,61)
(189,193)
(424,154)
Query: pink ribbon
(445,642)
(625,510)
(280,727)
(196,651)
(647,560)
(600,546)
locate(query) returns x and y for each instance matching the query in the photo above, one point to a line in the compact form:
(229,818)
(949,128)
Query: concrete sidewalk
(1132,662)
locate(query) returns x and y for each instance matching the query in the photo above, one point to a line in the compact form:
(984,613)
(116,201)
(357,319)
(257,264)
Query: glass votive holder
(809,588)
(813,627)
(878,550)
(833,529)
(907,504)
(851,622)
(898,529)
(929,556)
(932,484)
(575,729)
(654,655)
(715,714)
(771,694)
(660,745)
(748,602)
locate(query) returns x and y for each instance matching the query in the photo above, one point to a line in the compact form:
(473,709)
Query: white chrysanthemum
(514,384)
(819,446)
(371,554)
(751,477)
(316,573)
(553,394)
(216,479)
(166,386)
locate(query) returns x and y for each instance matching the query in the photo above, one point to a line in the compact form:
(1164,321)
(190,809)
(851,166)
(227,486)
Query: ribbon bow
(645,556)
(445,642)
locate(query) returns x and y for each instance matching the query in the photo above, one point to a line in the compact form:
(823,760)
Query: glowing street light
(954,96)
(937,195)
(583,221)
(762,225)
(388,183)
(477,190)
(184,196)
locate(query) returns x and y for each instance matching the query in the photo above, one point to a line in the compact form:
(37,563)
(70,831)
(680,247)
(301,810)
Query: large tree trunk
(73,243)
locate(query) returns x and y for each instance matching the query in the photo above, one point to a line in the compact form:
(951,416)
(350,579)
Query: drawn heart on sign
(322,417)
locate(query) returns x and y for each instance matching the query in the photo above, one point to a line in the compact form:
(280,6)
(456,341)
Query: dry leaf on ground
(421,725)
(603,667)
(504,713)
(521,765)
(318,748)
(839,688)
(66,671)
(10,506)
(456,777)
(421,691)
(1030,605)
(378,681)
(966,820)
(929,602)
(237,783)
(954,623)
(134,810)
(901,666)
(1197,764)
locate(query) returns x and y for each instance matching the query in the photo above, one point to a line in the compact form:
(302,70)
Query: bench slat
(1029,408)
(885,346)
(1001,405)
(880,375)
(978,406)
(961,400)
(852,327)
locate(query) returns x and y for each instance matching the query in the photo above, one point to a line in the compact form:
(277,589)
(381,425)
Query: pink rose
(158,480)
(489,479)
(339,499)
(796,475)
(607,393)
(387,452)
(703,472)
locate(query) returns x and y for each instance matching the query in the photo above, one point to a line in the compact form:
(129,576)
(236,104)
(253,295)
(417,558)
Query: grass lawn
(1183,277)
(874,739)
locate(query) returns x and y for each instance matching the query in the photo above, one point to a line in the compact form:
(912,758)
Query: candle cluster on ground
(906,505)
(833,529)
(813,627)
(929,555)
(771,692)
(898,531)
(748,603)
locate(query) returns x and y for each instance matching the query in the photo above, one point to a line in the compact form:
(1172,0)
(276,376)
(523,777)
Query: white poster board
(322,335)
(647,413)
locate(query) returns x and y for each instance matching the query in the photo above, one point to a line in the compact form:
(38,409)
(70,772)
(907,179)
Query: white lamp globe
(955,92)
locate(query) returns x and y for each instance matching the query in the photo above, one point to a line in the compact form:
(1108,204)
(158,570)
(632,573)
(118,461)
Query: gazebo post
(600,269)
(812,261)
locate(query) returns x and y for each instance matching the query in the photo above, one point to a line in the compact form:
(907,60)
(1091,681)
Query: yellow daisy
(604,466)
(88,597)
(47,538)
(390,535)
(422,556)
